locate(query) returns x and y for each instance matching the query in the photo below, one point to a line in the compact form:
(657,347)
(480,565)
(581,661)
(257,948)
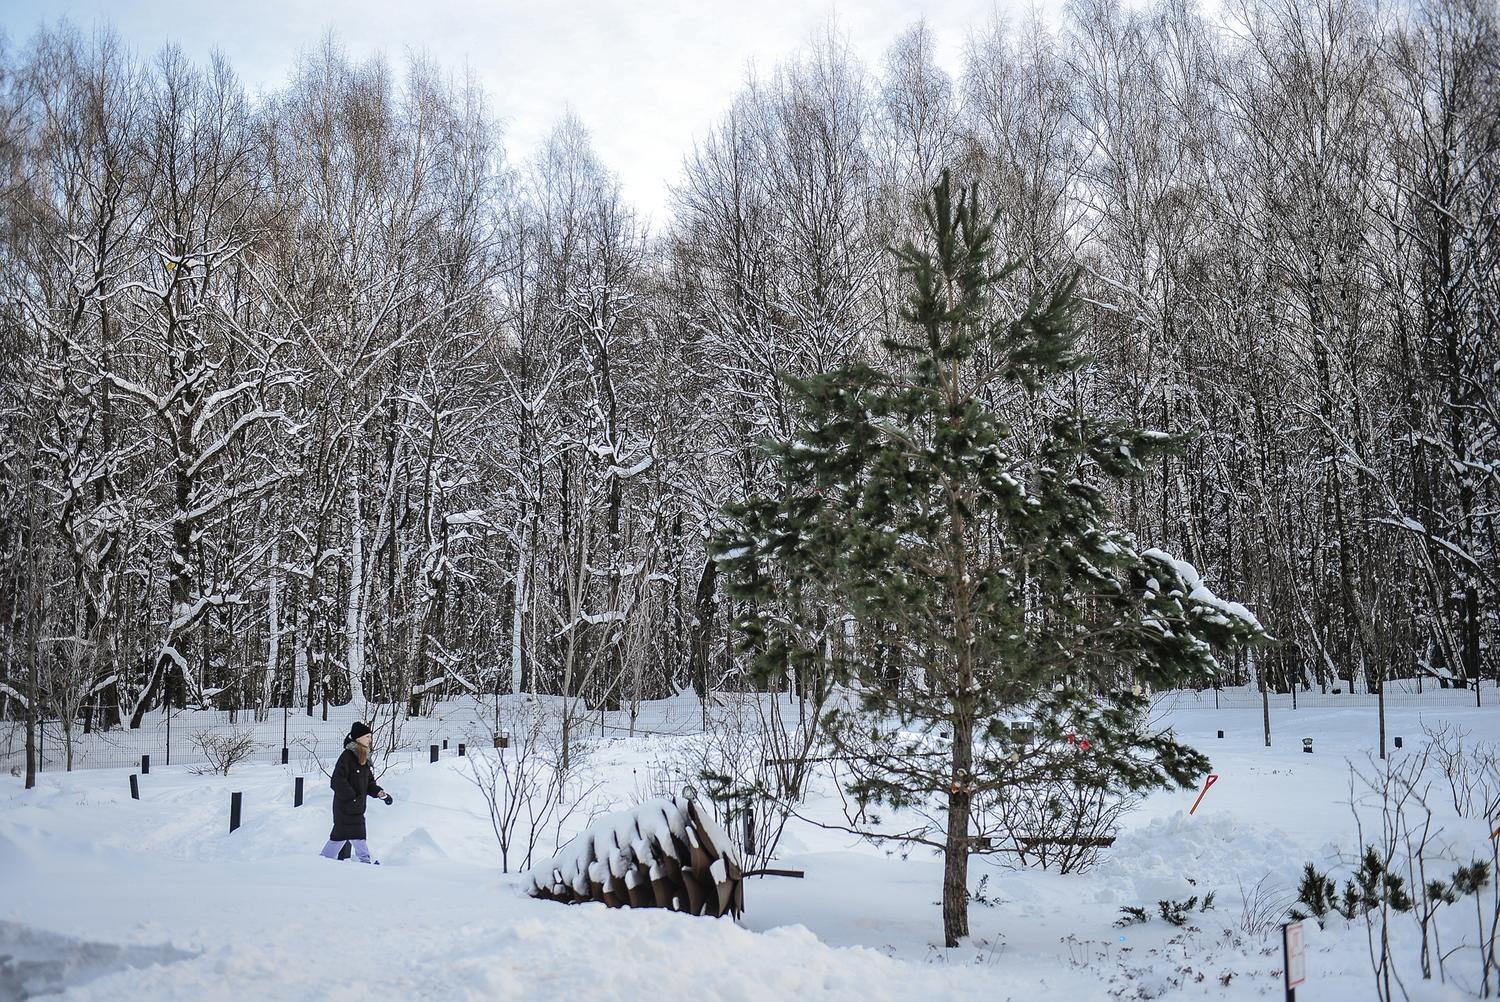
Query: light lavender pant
(361,849)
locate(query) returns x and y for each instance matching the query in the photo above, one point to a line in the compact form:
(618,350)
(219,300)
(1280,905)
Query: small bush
(1177,912)
(1317,895)
(222,752)
(1371,886)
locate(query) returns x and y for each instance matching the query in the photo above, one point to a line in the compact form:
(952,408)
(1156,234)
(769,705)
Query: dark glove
(387,799)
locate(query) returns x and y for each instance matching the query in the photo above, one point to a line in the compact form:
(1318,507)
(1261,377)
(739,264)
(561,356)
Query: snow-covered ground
(103,897)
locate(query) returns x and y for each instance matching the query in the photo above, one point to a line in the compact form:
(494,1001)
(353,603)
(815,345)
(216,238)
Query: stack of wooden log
(662,854)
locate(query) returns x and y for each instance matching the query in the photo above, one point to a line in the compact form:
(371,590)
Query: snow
(625,840)
(633,470)
(108,898)
(1198,592)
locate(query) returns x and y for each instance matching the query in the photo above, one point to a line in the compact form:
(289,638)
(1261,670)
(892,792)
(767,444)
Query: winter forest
(320,396)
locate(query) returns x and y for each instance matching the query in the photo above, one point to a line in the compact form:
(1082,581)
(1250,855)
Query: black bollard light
(145,764)
(234,811)
(460,749)
(1221,734)
(135,789)
(433,753)
(1307,745)
(297,793)
(1398,741)
(445,744)
(283,755)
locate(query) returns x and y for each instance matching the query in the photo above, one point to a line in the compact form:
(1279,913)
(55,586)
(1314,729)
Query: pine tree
(988,571)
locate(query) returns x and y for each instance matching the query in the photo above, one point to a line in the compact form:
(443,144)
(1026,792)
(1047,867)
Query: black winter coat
(351,783)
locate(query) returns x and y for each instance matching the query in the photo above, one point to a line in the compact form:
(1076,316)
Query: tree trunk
(702,627)
(518,609)
(354,620)
(956,851)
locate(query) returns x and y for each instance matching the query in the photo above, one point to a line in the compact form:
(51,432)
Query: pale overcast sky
(646,77)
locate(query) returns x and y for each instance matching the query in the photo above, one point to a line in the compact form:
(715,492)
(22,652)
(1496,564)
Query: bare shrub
(1391,801)
(1055,823)
(1470,769)
(752,766)
(222,751)
(533,786)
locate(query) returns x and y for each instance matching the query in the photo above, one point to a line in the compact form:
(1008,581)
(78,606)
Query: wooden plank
(640,896)
(694,888)
(662,891)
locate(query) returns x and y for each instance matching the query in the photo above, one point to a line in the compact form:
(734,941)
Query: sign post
(1294,959)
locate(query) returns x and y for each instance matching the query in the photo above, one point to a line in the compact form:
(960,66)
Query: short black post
(234,811)
(461,749)
(297,793)
(445,744)
(1307,745)
(1398,741)
(433,754)
(1221,734)
(135,789)
(283,755)
(145,765)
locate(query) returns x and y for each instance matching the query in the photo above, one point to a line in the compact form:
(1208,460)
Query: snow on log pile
(661,854)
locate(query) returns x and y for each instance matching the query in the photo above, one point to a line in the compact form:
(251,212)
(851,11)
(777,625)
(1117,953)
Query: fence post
(297,793)
(145,765)
(433,752)
(135,790)
(1265,710)
(234,811)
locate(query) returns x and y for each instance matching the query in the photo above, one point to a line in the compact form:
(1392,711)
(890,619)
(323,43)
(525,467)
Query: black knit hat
(358,731)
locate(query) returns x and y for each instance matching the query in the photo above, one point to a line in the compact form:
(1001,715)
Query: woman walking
(353,780)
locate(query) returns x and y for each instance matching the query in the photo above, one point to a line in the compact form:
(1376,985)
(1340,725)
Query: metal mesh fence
(1399,693)
(183,737)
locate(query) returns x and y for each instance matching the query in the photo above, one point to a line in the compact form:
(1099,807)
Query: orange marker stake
(1213,778)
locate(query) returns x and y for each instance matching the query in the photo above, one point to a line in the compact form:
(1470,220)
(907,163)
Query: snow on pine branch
(1224,612)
